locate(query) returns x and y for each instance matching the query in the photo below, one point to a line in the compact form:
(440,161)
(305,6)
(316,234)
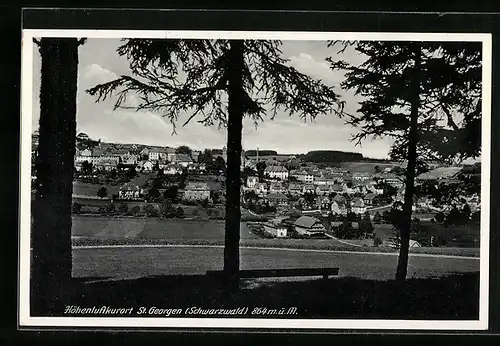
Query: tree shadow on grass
(453,297)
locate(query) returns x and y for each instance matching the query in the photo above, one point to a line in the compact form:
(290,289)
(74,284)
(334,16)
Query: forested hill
(320,156)
(261,152)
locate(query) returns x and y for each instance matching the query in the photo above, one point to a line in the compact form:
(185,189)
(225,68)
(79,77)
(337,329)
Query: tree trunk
(405,225)
(234,129)
(51,230)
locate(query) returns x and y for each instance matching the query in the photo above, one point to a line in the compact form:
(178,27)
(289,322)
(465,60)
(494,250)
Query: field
(152,228)
(88,189)
(81,188)
(131,262)
(365,166)
(463,235)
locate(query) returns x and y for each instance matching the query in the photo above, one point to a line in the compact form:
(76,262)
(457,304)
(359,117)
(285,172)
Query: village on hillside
(283,196)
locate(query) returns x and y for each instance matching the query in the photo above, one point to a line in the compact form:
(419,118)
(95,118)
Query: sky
(99,63)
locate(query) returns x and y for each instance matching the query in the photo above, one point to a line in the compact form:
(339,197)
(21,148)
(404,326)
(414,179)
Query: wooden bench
(267,273)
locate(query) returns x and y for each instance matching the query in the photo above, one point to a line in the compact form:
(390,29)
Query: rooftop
(306,221)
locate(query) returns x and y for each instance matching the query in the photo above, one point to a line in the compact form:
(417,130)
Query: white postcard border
(25,320)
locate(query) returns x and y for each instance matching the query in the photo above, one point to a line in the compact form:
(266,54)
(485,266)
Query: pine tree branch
(451,122)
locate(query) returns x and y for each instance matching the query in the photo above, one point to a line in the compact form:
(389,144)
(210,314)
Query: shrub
(150,210)
(377,241)
(135,210)
(110,208)
(123,208)
(76,207)
(179,212)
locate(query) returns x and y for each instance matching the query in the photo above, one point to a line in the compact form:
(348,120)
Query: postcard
(255,180)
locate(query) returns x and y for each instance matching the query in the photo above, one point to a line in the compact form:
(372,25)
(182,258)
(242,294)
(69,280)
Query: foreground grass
(454,297)
(305,244)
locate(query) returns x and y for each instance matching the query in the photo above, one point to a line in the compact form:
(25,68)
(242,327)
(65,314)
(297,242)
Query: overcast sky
(99,62)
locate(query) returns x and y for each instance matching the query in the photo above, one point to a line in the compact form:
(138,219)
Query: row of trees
(407,88)
(166,210)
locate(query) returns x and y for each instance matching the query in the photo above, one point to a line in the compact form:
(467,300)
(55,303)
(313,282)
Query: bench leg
(325,277)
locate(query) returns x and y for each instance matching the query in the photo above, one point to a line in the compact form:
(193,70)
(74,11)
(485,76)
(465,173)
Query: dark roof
(370,196)
(339,198)
(277,196)
(358,203)
(129,187)
(183,158)
(306,221)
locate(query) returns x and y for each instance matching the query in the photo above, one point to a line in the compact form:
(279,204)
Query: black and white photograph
(296,180)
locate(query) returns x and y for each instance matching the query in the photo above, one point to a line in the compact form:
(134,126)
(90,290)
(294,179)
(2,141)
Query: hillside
(261,152)
(330,156)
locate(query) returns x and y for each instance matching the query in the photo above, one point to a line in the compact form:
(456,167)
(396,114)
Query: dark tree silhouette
(261,167)
(87,167)
(220,82)
(410,89)
(171,193)
(219,165)
(51,228)
(102,192)
(184,149)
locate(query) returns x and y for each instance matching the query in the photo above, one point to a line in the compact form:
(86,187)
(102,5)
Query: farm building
(276,228)
(276,199)
(197,191)
(308,225)
(130,192)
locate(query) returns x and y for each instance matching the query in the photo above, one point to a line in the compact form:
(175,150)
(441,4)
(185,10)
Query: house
(81,155)
(358,206)
(276,172)
(320,180)
(337,188)
(276,228)
(369,199)
(393,180)
(308,188)
(322,190)
(195,154)
(197,191)
(158,154)
(277,199)
(148,166)
(85,152)
(182,160)
(275,187)
(144,152)
(361,188)
(325,203)
(308,225)
(260,189)
(105,165)
(330,179)
(339,207)
(172,169)
(130,192)
(295,189)
(361,176)
(196,168)
(251,181)
(130,159)
(374,188)
(339,198)
(105,157)
(304,176)
(122,153)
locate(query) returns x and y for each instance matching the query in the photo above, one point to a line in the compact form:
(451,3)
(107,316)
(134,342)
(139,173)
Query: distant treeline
(319,156)
(261,152)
